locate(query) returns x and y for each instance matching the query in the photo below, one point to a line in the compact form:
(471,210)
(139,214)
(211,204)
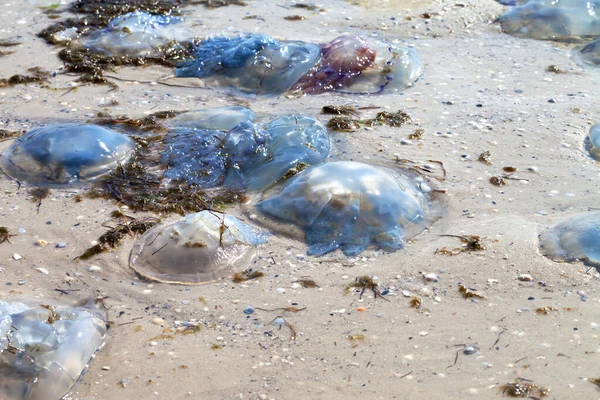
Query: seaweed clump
(246,275)
(113,237)
(5,234)
(524,388)
(365,282)
(36,75)
(346,124)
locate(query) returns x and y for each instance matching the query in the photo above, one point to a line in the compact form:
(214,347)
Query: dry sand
(499,91)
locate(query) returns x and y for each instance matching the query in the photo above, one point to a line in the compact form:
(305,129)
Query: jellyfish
(576,238)
(357,65)
(591,52)
(253,63)
(45,347)
(203,247)
(221,118)
(60,155)
(594,137)
(350,206)
(552,20)
(135,34)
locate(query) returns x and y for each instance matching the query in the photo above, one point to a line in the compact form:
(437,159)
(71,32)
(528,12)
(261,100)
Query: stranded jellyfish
(591,52)
(252,63)
(260,64)
(135,34)
(205,246)
(576,238)
(248,156)
(594,137)
(45,347)
(354,64)
(552,20)
(350,205)
(221,118)
(64,154)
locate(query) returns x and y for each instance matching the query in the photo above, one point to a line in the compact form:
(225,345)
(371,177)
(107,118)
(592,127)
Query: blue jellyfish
(594,137)
(576,238)
(252,63)
(350,206)
(57,155)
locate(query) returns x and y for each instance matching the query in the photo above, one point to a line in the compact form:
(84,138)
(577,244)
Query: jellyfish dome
(45,347)
(576,238)
(203,247)
(56,155)
(350,206)
(220,118)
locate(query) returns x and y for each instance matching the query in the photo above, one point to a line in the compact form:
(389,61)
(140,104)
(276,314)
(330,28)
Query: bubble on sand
(203,247)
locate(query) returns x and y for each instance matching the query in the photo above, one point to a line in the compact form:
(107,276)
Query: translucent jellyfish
(252,63)
(194,156)
(56,155)
(258,158)
(205,246)
(552,20)
(591,52)
(576,238)
(135,34)
(248,156)
(222,118)
(594,137)
(350,205)
(354,64)
(45,347)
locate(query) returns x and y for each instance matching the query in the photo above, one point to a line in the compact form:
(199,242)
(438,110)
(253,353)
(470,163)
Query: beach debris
(554,69)
(45,347)
(246,275)
(6,135)
(467,350)
(547,20)
(294,18)
(281,321)
(59,155)
(346,124)
(355,339)
(363,283)
(485,157)
(417,134)
(115,234)
(307,6)
(202,247)
(248,156)
(470,293)
(339,110)
(350,205)
(220,118)
(249,310)
(509,169)
(547,310)
(470,243)
(595,381)
(591,52)
(574,239)
(524,388)
(525,277)
(5,234)
(307,283)
(35,75)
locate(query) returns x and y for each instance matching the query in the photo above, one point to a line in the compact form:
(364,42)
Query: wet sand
(481,91)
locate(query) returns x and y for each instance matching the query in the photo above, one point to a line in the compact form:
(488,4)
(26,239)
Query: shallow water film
(56,155)
(575,239)
(350,206)
(45,347)
(205,246)
(248,156)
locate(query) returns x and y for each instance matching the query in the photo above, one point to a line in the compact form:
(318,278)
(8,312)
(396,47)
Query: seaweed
(545,310)
(294,18)
(554,69)
(365,282)
(246,275)
(471,243)
(113,237)
(5,234)
(417,134)
(339,110)
(5,135)
(485,157)
(345,124)
(37,195)
(150,123)
(307,283)
(211,4)
(469,293)
(309,7)
(36,75)
(524,388)
(109,9)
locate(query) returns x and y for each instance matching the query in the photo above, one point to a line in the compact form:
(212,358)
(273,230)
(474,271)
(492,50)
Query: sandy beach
(482,90)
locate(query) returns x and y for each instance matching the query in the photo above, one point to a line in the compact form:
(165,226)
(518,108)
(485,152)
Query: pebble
(106,368)
(158,321)
(94,268)
(17,256)
(431,277)
(61,245)
(41,243)
(42,270)
(525,278)
(423,333)
(468,350)
(21,282)
(249,310)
